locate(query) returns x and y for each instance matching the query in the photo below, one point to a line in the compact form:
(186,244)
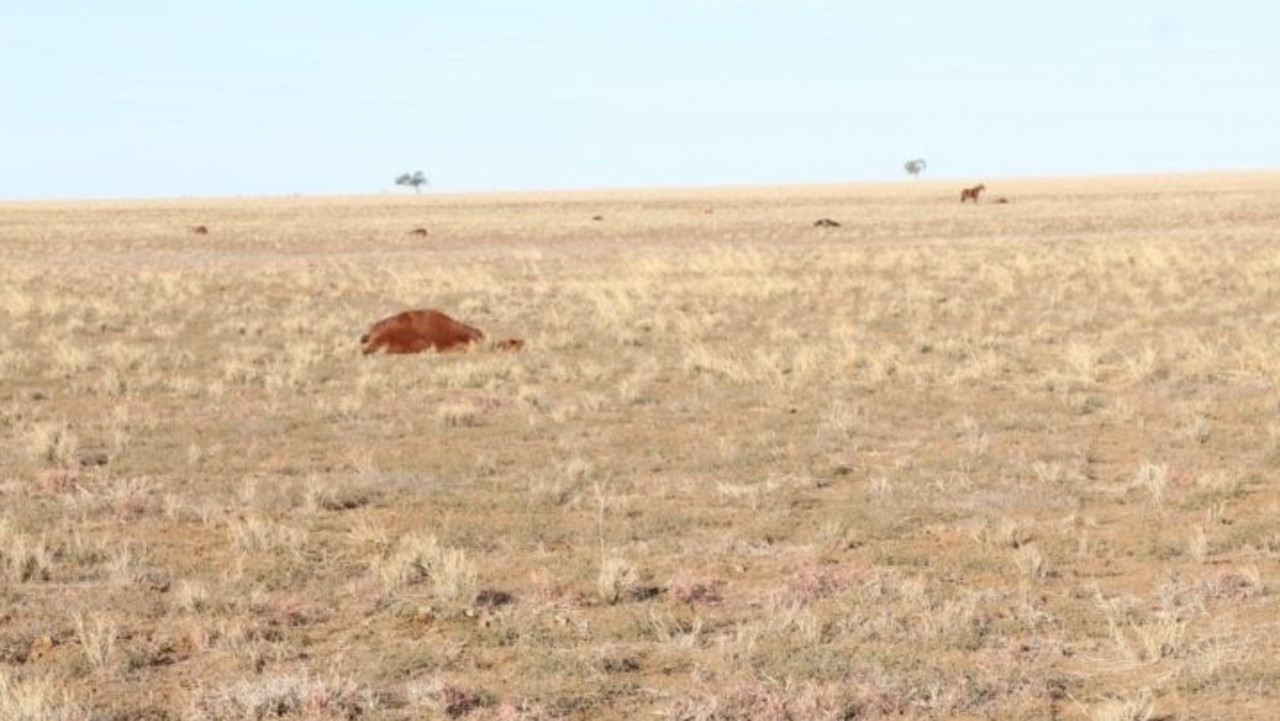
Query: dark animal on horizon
(597,217)
(419,231)
(1001,200)
(825,223)
(200,230)
(972,193)
(415,331)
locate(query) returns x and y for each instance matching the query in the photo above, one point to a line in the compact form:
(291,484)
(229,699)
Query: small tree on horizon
(415,180)
(915,166)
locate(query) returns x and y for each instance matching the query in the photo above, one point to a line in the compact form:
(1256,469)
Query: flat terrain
(994,461)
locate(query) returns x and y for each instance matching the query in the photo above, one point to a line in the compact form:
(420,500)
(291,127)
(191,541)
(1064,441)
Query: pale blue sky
(132,98)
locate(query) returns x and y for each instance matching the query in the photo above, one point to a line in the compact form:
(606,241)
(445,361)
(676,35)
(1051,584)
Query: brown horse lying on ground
(414,331)
(971,193)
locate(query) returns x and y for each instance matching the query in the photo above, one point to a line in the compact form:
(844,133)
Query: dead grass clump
(97,636)
(691,589)
(285,696)
(1235,583)
(764,700)
(459,414)
(615,578)
(254,535)
(450,698)
(1154,479)
(36,699)
(191,597)
(106,496)
(23,558)
(1139,706)
(420,558)
(873,691)
(53,443)
(326,494)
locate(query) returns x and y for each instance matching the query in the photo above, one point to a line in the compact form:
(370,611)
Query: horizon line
(626,189)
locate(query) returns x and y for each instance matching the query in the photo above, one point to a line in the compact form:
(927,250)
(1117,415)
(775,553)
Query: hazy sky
(132,98)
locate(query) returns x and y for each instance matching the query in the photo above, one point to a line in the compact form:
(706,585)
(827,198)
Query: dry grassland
(967,462)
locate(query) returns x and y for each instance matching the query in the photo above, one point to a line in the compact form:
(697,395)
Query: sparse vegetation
(928,464)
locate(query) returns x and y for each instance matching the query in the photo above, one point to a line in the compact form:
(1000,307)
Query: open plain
(980,461)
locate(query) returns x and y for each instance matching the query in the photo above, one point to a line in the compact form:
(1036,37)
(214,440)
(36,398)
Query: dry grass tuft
(420,558)
(35,699)
(300,697)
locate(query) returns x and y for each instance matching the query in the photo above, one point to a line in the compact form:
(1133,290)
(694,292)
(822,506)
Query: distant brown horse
(971,193)
(414,331)
(200,230)
(422,232)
